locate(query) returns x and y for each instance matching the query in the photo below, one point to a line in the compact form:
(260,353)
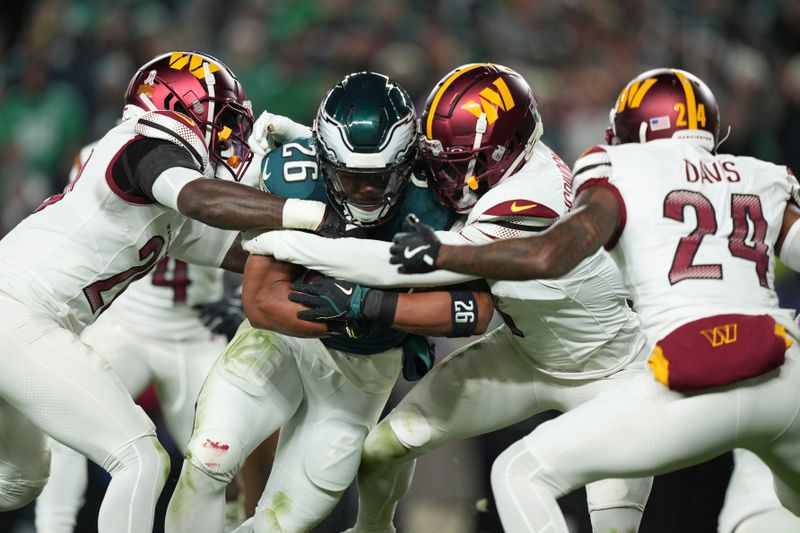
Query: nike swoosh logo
(346,291)
(408,254)
(267,175)
(517,208)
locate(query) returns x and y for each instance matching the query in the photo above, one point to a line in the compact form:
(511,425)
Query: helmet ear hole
(179,108)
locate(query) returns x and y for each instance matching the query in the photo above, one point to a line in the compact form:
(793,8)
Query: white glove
(259,244)
(271,129)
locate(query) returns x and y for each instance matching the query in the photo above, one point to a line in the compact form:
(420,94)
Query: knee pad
(145,453)
(218,454)
(519,464)
(382,450)
(618,493)
(334,453)
(19,492)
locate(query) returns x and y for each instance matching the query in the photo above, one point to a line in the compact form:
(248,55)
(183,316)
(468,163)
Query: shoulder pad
(177,129)
(519,208)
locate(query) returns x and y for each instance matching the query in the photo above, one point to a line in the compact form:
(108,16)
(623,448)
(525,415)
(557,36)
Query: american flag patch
(659,123)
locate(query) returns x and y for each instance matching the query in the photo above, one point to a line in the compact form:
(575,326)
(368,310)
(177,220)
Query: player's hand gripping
(417,250)
(328,298)
(223,316)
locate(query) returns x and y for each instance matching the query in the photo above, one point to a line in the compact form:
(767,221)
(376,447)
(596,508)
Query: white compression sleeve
(169,184)
(362,261)
(790,251)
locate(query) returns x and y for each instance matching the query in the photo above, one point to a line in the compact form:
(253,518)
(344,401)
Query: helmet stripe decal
(440,92)
(691,106)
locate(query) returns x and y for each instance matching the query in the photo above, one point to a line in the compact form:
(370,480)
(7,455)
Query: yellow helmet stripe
(691,106)
(440,92)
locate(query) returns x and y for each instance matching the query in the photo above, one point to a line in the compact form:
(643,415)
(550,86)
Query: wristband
(303,214)
(463,313)
(381,306)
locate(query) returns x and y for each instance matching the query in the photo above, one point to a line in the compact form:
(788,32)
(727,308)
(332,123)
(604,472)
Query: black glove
(223,316)
(415,251)
(328,298)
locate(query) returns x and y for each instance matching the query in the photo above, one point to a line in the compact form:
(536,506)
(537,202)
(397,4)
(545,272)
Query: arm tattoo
(549,254)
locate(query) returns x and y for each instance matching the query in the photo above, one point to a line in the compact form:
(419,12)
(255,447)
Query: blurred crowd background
(64,65)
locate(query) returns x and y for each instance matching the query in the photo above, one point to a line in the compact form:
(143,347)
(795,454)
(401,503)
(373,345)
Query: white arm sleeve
(362,261)
(169,183)
(790,251)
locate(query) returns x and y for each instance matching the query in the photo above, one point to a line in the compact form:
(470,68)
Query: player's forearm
(236,257)
(228,205)
(431,313)
(550,254)
(363,261)
(271,310)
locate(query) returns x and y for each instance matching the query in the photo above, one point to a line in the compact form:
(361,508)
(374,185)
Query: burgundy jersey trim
(592,150)
(134,199)
(623,212)
(521,208)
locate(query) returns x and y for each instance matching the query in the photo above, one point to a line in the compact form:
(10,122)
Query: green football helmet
(366,137)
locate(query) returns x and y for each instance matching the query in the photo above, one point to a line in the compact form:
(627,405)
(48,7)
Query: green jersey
(291,171)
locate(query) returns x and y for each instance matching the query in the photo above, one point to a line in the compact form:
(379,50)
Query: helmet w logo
(179,60)
(633,94)
(490,101)
(719,335)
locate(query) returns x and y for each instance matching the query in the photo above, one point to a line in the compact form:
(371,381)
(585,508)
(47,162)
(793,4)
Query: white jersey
(576,327)
(697,230)
(162,305)
(81,249)
(580,324)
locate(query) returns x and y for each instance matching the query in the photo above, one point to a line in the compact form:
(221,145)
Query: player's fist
(415,251)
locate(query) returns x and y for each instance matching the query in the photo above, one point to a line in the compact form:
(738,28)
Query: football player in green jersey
(324,383)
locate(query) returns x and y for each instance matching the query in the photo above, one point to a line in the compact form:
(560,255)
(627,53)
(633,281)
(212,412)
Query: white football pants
(485,386)
(643,428)
(751,504)
(176,368)
(325,403)
(53,383)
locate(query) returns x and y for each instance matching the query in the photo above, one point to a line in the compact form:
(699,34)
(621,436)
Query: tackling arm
(229,205)
(265,289)
(363,261)
(550,254)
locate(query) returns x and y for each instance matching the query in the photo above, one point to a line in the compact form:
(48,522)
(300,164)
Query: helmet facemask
(365,196)
(366,132)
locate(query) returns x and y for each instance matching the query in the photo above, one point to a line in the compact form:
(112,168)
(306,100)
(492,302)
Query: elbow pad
(790,251)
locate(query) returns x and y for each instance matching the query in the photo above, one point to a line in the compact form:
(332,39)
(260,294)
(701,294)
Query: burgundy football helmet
(480,124)
(659,103)
(204,89)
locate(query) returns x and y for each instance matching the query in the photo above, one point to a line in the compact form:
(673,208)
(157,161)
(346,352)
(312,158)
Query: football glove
(223,316)
(328,298)
(415,251)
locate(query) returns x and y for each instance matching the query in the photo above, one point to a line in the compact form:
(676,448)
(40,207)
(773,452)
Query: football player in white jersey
(564,342)
(694,233)
(142,194)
